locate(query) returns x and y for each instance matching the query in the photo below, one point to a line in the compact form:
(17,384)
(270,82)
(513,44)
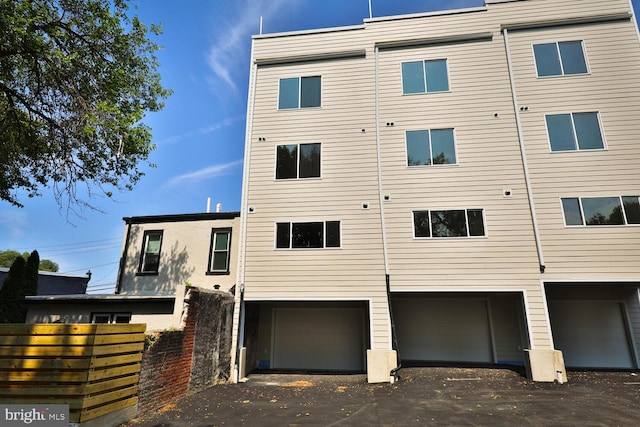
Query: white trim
(634,20)
(431,165)
(466,218)
(527,318)
(557,43)
(424,76)
(575,133)
(547,317)
(584,219)
(314,31)
(299,152)
(426,14)
(381,201)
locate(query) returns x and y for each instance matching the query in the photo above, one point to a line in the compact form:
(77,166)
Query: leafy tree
(12,306)
(76,79)
(7,258)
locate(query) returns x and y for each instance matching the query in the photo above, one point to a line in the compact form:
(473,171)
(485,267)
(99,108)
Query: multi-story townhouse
(458,186)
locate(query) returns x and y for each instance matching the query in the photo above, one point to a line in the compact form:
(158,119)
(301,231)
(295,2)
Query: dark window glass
(572,55)
(572,214)
(283,236)
(309,160)
(437,77)
(333,234)
(449,223)
(287,162)
(289,93)
(631,209)
(421,224)
(220,251)
(588,131)
(443,150)
(418,153)
(547,60)
(561,134)
(151,252)
(602,211)
(307,235)
(310,93)
(413,77)
(476,222)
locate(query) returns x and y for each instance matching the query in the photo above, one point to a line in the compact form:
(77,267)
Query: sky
(199,135)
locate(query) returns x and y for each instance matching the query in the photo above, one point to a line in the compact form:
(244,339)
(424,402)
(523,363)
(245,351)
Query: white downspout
(244,213)
(379,154)
(523,153)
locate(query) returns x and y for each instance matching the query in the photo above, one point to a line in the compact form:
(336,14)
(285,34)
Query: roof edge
(205,216)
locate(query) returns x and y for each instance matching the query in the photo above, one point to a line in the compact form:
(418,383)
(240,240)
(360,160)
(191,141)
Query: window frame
(575,133)
(584,220)
(213,251)
(299,106)
(324,235)
(143,253)
(299,153)
(563,74)
(466,215)
(424,76)
(439,165)
(112,318)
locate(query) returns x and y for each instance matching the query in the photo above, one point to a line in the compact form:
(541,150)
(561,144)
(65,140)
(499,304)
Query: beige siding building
(450,187)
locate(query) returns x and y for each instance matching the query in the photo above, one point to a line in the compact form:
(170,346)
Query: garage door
(454,330)
(323,339)
(591,334)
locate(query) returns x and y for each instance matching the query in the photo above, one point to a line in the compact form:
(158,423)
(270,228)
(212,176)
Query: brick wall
(183,361)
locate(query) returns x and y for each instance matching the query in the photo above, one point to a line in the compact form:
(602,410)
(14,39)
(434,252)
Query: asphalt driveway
(423,396)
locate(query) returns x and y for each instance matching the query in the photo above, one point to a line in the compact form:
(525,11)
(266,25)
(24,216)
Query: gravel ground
(423,396)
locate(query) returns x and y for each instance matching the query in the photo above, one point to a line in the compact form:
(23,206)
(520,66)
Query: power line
(112,240)
(93,266)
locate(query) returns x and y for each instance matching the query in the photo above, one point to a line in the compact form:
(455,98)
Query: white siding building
(450,187)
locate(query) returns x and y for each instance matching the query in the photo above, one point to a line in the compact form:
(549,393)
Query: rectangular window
(110,317)
(298,161)
(574,132)
(449,223)
(300,92)
(150,256)
(595,211)
(425,76)
(308,235)
(220,251)
(560,59)
(430,147)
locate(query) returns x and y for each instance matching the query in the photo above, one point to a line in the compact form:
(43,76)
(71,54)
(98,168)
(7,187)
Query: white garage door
(591,334)
(324,339)
(454,330)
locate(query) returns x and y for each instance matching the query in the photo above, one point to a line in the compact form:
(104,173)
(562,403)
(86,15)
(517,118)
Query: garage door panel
(324,339)
(443,330)
(591,334)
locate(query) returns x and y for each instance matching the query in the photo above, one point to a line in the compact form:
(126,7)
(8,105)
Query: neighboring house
(450,187)
(162,256)
(56,283)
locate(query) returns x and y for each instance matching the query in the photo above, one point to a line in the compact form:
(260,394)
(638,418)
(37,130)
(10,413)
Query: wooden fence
(94,368)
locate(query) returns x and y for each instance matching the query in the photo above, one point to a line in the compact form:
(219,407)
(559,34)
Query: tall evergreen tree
(12,306)
(31,274)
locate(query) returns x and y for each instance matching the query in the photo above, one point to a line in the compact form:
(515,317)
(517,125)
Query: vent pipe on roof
(208,204)
(219,207)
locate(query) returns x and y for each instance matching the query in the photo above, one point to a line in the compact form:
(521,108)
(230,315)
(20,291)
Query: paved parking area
(423,396)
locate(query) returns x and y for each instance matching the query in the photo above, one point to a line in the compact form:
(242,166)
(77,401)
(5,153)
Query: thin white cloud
(14,223)
(200,132)
(202,174)
(229,50)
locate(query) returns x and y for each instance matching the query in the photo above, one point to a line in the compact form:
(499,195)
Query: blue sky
(200,133)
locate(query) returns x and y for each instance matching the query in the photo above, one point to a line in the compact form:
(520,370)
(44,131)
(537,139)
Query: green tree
(12,306)
(31,274)
(76,79)
(7,257)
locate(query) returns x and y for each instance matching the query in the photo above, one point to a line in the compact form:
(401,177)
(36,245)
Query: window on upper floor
(298,161)
(594,211)
(220,251)
(560,59)
(574,132)
(430,147)
(449,223)
(300,92)
(425,76)
(150,255)
(308,235)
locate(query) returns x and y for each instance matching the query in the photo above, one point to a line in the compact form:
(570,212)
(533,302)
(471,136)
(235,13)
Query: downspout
(245,209)
(523,153)
(123,258)
(394,343)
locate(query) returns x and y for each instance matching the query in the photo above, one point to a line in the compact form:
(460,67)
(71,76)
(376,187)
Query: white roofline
(314,31)
(426,14)
(50,273)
